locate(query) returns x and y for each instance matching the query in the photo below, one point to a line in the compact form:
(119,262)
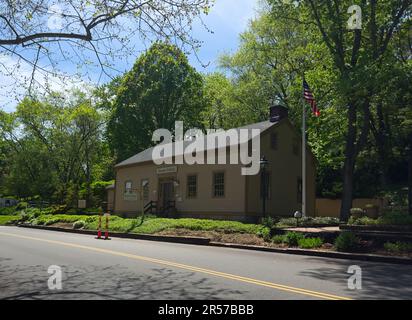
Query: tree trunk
(382,143)
(410,176)
(349,166)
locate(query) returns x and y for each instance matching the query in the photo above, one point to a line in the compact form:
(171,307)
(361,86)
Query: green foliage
(398,247)
(97,191)
(79,224)
(269,222)
(307,222)
(8,211)
(55,145)
(279,239)
(22,205)
(4,219)
(63,218)
(357,211)
(160,89)
(346,242)
(389,218)
(264,233)
(292,238)
(310,243)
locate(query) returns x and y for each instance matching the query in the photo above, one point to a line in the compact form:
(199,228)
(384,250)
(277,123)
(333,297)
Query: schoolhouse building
(220,191)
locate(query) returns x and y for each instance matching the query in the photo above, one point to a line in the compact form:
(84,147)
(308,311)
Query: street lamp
(263,176)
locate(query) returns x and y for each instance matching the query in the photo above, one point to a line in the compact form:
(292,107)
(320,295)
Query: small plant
(8,211)
(22,205)
(264,233)
(363,221)
(279,239)
(307,222)
(346,242)
(398,247)
(50,222)
(357,212)
(310,243)
(269,222)
(78,224)
(292,238)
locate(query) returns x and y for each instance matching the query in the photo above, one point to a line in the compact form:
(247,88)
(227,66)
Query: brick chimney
(278,113)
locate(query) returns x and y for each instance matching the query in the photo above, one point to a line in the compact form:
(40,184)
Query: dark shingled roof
(146,155)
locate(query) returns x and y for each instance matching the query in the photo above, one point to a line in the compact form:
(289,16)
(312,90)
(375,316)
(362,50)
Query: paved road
(134,269)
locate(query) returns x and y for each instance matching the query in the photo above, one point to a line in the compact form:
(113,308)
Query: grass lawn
(6,219)
(151,224)
(154,225)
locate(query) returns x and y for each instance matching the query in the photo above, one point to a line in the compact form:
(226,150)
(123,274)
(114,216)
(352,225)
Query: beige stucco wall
(285,168)
(242,193)
(233,202)
(331,207)
(204,204)
(135,174)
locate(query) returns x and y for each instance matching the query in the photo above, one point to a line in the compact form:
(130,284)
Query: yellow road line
(190,268)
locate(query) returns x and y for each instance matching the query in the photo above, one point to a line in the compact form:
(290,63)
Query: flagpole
(303,158)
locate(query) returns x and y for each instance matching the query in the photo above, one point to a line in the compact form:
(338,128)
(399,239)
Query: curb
(207,242)
(319,253)
(135,236)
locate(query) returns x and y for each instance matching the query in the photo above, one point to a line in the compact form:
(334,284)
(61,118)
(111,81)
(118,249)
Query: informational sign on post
(81,204)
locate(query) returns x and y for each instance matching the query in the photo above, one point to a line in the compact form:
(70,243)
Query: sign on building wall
(130,196)
(164,170)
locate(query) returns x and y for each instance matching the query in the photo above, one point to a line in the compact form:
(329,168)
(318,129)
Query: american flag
(307,94)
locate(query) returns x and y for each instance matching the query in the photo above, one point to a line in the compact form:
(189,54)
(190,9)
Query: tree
(357,55)
(43,34)
(160,89)
(56,147)
(268,68)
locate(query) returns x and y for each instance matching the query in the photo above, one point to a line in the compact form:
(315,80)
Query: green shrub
(269,222)
(50,222)
(396,218)
(310,243)
(8,211)
(363,221)
(264,233)
(346,242)
(398,247)
(278,239)
(292,238)
(357,212)
(22,205)
(307,222)
(388,218)
(79,224)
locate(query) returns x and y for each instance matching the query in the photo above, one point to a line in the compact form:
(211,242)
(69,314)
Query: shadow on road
(108,282)
(379,281)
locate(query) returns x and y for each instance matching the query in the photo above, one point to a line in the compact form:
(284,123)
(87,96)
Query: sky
(227,19)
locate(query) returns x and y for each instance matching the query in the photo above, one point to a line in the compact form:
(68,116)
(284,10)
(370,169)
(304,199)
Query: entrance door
(167,194)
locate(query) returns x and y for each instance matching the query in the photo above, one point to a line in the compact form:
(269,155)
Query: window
(274,141)
(299,190)
(192,186)
(128,187)
(145,189)
(219,184)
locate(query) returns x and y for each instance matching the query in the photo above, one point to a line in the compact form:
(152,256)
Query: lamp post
(263,165)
